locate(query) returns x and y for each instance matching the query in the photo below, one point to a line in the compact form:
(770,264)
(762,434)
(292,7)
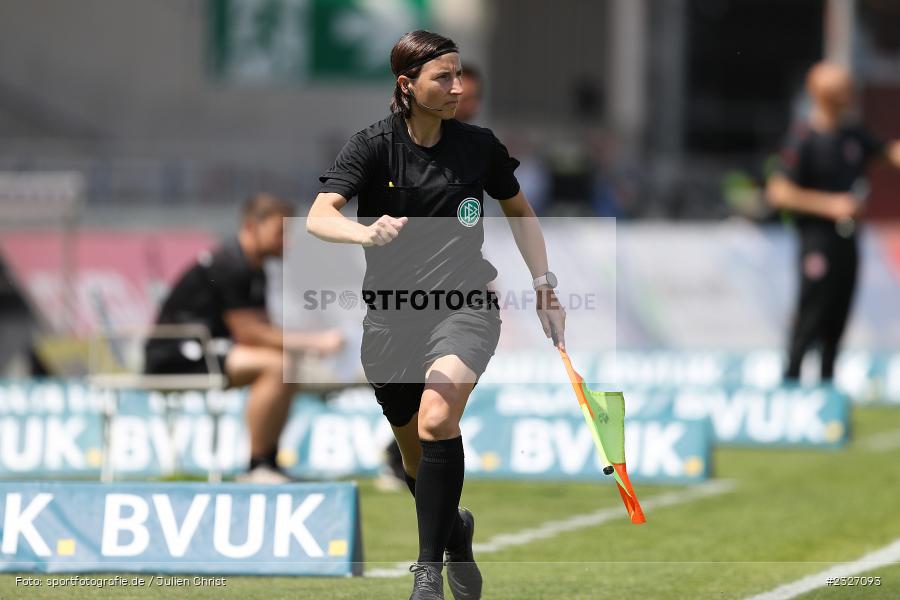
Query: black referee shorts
(396,355)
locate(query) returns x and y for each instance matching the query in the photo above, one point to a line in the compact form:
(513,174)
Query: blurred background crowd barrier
(131,131)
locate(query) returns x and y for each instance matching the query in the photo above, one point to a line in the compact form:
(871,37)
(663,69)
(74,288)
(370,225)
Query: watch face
(551,279)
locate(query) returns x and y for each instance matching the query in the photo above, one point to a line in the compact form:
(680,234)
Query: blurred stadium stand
(160,109)
(174,111)
(165,108)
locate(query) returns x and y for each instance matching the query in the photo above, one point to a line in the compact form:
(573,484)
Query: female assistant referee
(432,324)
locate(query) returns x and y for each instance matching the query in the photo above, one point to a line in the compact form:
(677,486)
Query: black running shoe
(427,581)
(463,575)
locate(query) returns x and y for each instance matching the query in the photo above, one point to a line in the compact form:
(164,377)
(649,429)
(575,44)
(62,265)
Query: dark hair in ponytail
(408,55)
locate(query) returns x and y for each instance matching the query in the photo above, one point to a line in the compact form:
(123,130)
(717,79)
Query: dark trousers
(828,267)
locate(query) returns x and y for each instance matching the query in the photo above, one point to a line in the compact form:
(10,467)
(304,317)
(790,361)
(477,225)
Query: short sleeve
(873,146)
(792,158)
(351,169)
(238,287)
(501,182)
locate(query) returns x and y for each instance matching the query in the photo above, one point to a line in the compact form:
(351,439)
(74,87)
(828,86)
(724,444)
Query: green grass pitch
(792,513)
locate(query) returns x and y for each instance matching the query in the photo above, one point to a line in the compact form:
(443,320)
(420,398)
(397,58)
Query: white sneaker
(265,475)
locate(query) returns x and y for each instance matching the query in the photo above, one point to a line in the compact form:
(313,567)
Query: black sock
(457,539)
(270,459)
(438,488)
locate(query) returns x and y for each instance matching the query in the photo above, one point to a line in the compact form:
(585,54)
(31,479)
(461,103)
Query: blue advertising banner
(744,416)
(865,377)
(784,416)
(52,428)
(508,435)
(294,529)
(670,451)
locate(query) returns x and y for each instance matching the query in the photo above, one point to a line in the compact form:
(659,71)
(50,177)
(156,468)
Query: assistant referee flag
(605,416)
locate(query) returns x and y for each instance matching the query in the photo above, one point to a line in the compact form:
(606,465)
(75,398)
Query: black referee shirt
(441,189)
(827,161)
(219,281)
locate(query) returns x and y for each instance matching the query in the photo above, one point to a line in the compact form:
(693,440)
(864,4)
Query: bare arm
(784,193)
(251,327)
(326,222)
(526,230)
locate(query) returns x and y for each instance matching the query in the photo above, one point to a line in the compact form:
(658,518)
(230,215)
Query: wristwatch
(547,278)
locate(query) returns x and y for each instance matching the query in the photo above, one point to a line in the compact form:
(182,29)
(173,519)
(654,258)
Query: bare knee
(272,369)
(438,422)
(273,366)
(247,365)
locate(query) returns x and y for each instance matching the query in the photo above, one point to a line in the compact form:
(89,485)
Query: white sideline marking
(553,528)
(882,442)
(883,556)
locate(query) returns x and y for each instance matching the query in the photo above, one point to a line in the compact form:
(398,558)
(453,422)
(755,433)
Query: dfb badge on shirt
(469,212)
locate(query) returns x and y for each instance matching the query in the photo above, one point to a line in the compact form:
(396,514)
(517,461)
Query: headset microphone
(420,104)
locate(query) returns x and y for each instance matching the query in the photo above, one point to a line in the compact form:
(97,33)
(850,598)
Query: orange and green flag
(605,416)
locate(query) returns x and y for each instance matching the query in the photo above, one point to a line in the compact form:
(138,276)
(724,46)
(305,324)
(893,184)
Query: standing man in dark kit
(825,158)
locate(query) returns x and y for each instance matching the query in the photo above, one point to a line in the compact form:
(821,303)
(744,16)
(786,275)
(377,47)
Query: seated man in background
(225,290)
